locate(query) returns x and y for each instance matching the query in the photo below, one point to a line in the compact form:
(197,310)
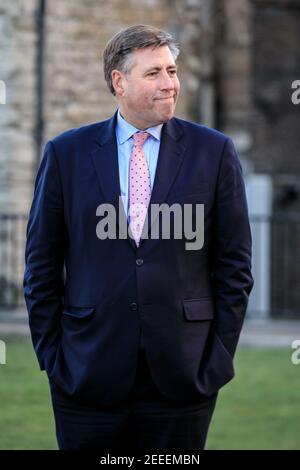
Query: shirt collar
(125,130)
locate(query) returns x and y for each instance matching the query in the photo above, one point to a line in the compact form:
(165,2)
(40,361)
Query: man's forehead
(156,57)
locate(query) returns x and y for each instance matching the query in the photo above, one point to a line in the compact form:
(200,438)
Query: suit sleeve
(232,279)
(44,259)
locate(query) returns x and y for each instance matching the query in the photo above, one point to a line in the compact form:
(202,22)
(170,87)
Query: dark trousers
(146,421)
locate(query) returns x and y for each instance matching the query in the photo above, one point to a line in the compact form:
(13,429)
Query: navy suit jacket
(91,300)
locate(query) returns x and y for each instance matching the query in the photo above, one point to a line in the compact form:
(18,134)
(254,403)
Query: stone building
(237,63)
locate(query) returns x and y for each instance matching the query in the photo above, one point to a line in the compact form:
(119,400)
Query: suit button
(139,262)
(133,306)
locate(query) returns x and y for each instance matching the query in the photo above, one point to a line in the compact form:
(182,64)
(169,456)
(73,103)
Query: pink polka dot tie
(139,186)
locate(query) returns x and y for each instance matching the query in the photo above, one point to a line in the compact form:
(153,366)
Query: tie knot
(140,138)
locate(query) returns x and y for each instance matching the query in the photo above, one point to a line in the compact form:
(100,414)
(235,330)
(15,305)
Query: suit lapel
(105,160)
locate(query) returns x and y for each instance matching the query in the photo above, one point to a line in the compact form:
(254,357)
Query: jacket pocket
(78,312)
(198,309)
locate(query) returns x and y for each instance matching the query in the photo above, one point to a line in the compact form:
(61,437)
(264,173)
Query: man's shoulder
(86,133)
(201,131)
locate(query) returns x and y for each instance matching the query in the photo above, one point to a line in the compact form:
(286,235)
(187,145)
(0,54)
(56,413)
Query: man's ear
(118,78)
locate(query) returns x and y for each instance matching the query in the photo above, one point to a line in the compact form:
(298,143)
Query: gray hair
(118,51)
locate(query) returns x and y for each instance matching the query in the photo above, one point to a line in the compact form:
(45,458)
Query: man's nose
(166,82)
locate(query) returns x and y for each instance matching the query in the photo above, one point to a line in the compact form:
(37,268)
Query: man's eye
(172,72)
(151,74)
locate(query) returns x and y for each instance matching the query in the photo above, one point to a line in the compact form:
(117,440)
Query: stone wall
(17,116)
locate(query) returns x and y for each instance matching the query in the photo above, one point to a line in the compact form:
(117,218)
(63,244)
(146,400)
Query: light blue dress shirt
(124,132)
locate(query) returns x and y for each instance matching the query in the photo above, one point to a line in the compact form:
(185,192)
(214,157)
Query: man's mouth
(166,98)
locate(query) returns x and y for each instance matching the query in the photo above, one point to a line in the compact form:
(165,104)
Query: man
(139,335)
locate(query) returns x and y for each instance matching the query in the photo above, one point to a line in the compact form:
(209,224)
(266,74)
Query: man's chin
(168,117)
(165,117)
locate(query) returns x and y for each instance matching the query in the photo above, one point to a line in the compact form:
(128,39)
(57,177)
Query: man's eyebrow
(155,67)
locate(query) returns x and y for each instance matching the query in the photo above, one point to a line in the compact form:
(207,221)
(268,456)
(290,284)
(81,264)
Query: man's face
(148,94)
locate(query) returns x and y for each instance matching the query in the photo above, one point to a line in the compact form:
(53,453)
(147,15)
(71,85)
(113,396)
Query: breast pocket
(196,193)
(195,188)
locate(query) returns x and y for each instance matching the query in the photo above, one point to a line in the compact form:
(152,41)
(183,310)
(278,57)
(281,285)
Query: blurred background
(239,69)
